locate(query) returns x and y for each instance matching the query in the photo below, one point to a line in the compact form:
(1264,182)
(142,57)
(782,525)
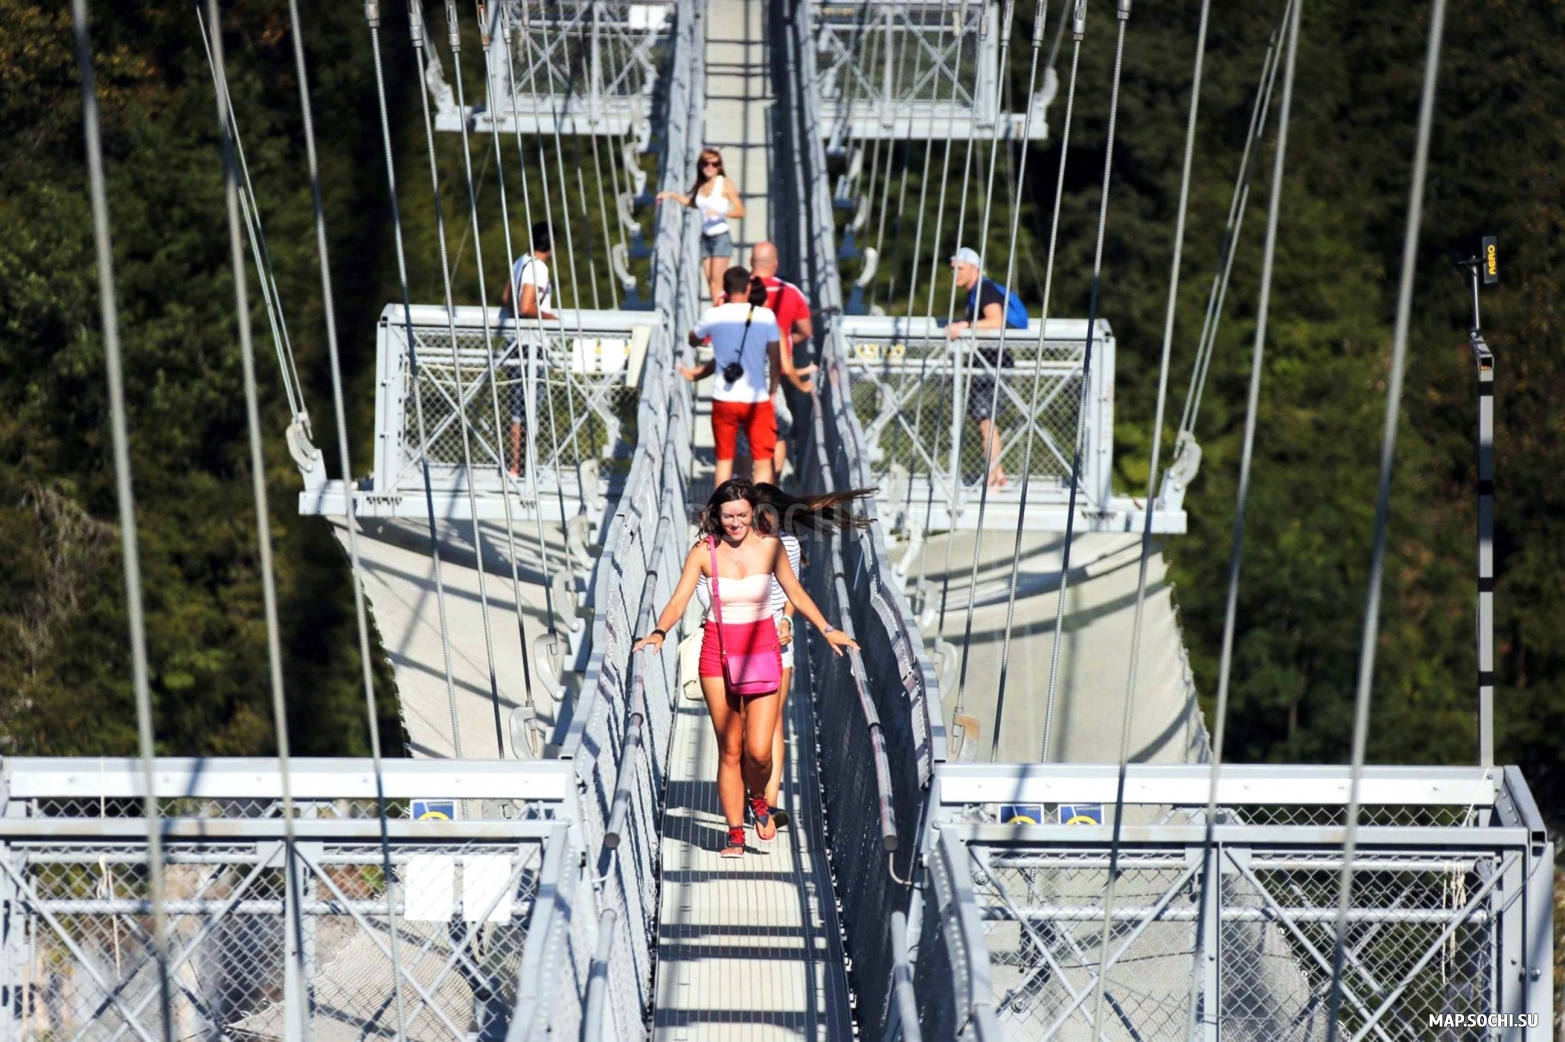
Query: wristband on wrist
(829,629)
(659,632)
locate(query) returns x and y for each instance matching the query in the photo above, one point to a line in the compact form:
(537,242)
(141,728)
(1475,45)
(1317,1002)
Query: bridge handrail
(600,974)
(898,728)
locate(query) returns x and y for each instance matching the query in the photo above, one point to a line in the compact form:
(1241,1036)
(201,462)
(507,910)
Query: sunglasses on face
(711,166)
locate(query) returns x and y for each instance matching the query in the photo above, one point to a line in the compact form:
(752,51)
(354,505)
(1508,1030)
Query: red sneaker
(765,830)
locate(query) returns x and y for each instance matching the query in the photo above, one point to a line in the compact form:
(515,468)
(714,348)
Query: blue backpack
(1015,310)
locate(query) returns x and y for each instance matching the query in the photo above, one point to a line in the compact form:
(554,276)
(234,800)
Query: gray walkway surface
(748,949)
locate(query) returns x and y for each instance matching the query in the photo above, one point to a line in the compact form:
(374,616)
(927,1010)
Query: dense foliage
(1494,169)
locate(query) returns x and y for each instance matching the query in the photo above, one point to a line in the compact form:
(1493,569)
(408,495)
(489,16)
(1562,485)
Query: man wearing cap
(985,310)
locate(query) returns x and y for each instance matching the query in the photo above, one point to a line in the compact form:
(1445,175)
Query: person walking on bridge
(741,662)
(745,357)
(797,330)
(716,199)
(790,516)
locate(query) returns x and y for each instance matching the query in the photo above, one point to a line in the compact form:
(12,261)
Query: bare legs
(745,730)
(779,754)
(516,449)
(760,469)
(715,267)
(990,435)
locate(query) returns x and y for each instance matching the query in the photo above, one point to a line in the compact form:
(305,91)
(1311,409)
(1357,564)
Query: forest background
(1495,169)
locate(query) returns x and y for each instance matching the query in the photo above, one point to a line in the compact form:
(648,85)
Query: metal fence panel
(80,957)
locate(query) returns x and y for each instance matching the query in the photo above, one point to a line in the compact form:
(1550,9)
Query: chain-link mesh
(84,914)
(1043,923)
(1279,913)
(567,391)
(915,396)
(1418,942)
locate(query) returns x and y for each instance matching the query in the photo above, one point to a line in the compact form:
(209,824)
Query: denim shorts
(719,245)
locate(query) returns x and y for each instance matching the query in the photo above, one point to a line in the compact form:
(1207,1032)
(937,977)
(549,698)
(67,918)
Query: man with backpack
(989,306)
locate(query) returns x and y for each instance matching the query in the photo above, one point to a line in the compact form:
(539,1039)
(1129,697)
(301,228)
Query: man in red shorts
(793,320)
(746,360)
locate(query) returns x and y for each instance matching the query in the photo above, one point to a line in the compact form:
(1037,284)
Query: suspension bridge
(1010,817)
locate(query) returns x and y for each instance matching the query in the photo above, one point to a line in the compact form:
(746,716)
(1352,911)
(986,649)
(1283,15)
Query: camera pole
(1486,265)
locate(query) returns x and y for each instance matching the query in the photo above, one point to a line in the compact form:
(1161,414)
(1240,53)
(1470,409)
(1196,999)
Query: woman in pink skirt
(742,560)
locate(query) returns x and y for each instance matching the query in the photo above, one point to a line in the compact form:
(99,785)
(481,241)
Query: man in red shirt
(793,321)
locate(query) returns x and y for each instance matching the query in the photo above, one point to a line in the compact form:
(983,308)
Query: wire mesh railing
(537,405)
(250,955)
(1451,886)
(920,397)
(600,979)
(878,709)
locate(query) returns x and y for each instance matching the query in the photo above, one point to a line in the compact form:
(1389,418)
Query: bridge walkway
(748,949)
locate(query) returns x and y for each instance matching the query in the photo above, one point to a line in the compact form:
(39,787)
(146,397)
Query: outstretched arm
(675,608)
(795,593)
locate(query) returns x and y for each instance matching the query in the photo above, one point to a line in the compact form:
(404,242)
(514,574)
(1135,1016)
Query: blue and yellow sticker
(434,810)
(1080,814)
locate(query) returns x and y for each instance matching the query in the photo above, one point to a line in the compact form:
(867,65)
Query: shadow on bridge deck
(1094,665)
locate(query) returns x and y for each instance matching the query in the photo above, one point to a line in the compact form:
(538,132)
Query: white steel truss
(922,71)
(565,66)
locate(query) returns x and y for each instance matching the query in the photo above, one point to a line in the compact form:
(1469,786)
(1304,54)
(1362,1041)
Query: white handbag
(690,664)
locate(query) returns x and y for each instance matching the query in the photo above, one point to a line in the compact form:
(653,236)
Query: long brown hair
(701,178)
(711,520)
(778,511)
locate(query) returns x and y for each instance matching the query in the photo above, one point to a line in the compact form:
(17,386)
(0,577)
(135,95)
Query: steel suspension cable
(907,148)
(1252,410)
(372,18)
(420,44)
(454,31)
(537,349)
(1123,14)
(250,210)
(559,159)
(603,218)
(263,521)
(125,495)
(559,152)
(994,437)
(1078,12)
(912,294)
(534,363)
(486,31)
(1366,671)
(360,610)
(1127,713)
(891,287)
(1237,207)
(961,358)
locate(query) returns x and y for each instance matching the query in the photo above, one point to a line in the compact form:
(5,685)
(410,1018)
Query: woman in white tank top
(717,200)
(745,561)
